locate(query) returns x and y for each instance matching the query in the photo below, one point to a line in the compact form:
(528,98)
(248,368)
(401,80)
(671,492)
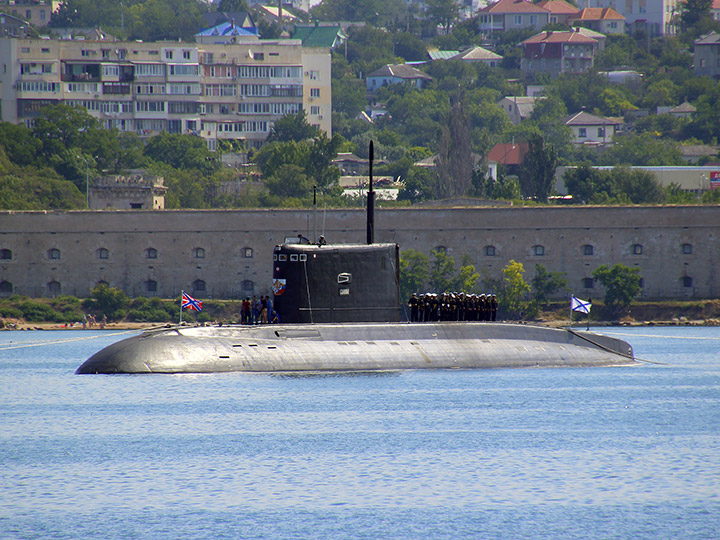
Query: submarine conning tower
(328,283)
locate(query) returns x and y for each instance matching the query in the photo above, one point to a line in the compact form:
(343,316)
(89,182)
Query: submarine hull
(356,347)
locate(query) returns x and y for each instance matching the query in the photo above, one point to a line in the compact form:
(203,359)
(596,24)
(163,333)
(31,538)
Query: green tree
(292,127)
(289,181)
(443,12)
(442,272)
(537,172)
(546,283)
(642,149)
(622,284)
(455,162)
(414,272)
(110,301)
(694,11)
(182,152)
(231,6)
(419,185)
(514,288)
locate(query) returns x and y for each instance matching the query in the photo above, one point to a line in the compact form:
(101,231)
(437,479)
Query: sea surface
(601,453)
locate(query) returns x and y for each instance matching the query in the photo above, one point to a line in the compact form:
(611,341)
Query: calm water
(558,453)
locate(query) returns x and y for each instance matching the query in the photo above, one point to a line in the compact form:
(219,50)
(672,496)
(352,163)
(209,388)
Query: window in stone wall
(247,253)
(687,249)
(102,282)
(198,285)
(687,281)
(6,287)
(5,254)
(103,253)
(489,251)
(538,251)
(151,285)
(588,249)
(637,249)
(588,283)
(248,285)
(54,288)
(441,249)
(53,253)
(199,253)
(151,253)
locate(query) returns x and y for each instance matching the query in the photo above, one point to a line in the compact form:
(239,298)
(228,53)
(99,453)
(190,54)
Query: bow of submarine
(120,357)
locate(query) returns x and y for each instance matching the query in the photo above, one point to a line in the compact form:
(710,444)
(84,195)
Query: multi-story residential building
(396,74)
(707,55)
(558,52)
(560,11)
(589,129)
(36,12)
(604,20)
(214,90)
(657,17)
(512,15)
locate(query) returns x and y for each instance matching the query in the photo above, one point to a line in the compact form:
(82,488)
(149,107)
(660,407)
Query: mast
(371,201)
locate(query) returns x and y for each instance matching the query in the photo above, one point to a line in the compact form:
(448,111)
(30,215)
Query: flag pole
(588,314)
(182,293)
(571,310)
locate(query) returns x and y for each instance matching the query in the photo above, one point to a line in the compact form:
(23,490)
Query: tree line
(439,273)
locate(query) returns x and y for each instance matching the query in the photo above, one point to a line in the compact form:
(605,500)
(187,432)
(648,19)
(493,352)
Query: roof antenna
(371,201)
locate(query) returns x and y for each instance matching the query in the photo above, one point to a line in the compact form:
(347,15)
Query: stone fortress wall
(228,253)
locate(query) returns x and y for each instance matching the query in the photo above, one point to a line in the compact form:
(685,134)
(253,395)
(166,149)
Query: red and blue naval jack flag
(188,302)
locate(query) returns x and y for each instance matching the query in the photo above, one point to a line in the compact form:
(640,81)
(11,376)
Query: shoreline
(21,326)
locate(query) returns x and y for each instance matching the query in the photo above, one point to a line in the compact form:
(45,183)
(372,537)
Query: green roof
(318,36)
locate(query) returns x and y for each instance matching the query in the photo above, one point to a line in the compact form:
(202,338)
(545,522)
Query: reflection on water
(627,452)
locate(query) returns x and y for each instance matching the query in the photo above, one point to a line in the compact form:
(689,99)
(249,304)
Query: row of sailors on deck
(452,307)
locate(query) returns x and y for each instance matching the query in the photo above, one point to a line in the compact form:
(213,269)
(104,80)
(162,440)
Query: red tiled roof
(513,6)
(599,14)
(508,153)
(715,4)
(559,37)
(560,7)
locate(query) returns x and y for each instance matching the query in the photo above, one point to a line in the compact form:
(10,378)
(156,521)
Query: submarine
(340,311)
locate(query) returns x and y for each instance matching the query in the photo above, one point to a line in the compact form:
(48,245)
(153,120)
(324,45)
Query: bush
(37,312)
(9,312)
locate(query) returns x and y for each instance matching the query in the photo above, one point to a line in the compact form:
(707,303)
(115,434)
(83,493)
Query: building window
(199,253)
(686,249)
(198,285)
(103,253)
(517,20)
(6,287)
(637,249)
(53,253)
(54,288)
(5,254)
(687,281)
(102,283)
(151,285)
(601,132)
(248,285)
(247,253)
(489,251)
(538,250)
(441,249)
(151,253)
(314,92)
(582,132)
(588,283)
(588,249)
(642,283)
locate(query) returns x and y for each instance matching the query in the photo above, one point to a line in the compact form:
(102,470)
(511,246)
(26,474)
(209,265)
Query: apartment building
(559,52)
(657,17)
(214,90)
(36,12)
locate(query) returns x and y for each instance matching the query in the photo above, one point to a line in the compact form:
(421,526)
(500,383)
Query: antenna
(371,201)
